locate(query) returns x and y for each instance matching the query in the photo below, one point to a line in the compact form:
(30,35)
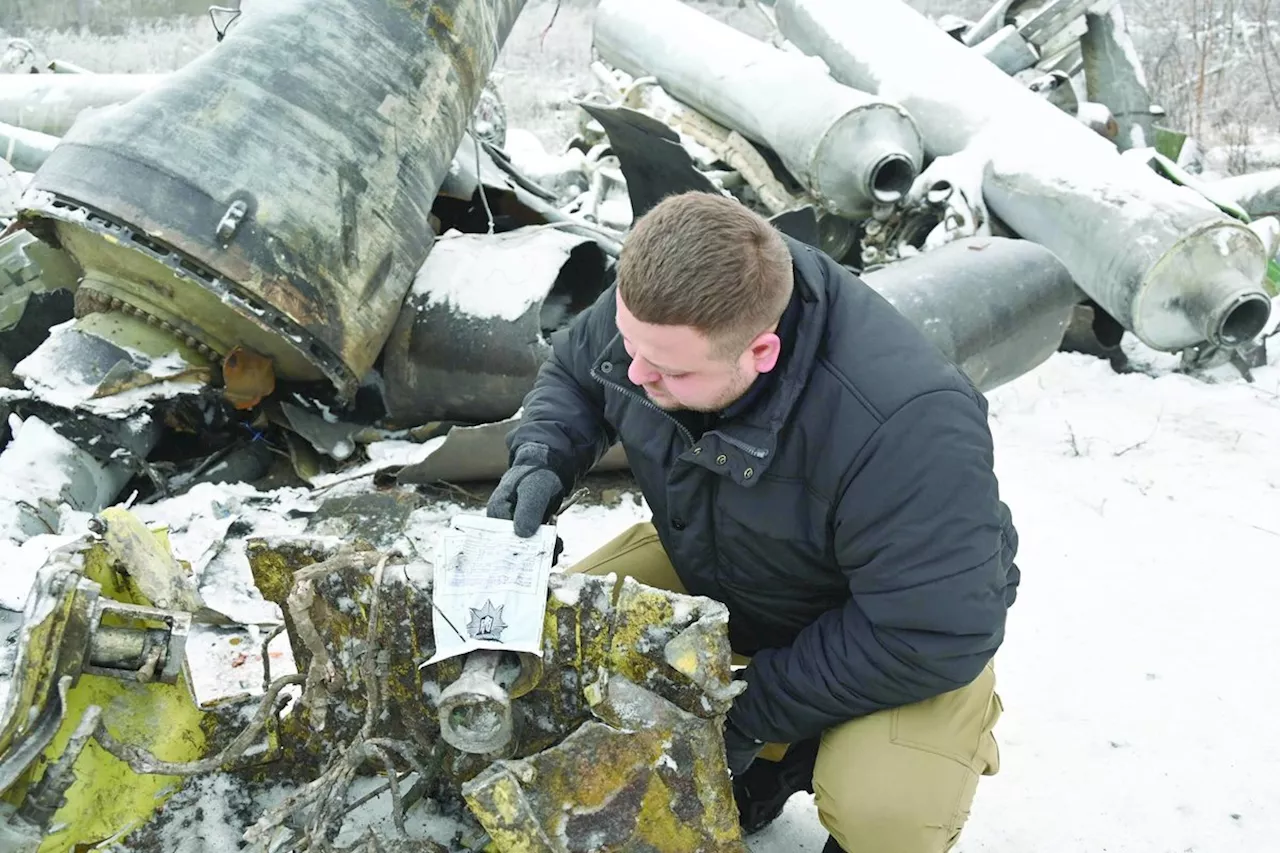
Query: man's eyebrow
(657,367)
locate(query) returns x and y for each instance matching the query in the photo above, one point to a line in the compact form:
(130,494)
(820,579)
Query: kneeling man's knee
(870,814)
(903,780)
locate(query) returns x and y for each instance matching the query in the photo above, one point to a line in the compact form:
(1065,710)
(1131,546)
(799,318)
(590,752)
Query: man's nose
(641,372)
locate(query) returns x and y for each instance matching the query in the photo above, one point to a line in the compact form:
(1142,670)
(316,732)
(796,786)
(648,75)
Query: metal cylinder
(1168,265)
(849,149)
(996,307)
(25,149)
(51,103)
(473,332)
(125,649)
(276,192)
(475,710)
(1157,257)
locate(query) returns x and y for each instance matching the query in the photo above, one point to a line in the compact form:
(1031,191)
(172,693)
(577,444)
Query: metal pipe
(26,150)
(125,648)
(473,330)
(1167,264)
(475,710)
(851,150)
(51,103)
(996,307)
(276,194)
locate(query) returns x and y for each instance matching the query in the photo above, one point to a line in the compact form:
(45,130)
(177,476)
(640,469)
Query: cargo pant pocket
(958,725)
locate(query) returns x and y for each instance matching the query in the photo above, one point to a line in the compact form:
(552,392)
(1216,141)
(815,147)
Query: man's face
(677,366)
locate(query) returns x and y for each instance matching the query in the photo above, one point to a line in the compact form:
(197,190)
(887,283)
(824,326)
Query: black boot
(764,788)
(832,846)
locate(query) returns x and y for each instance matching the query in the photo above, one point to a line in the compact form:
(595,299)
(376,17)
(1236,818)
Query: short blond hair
(706,261)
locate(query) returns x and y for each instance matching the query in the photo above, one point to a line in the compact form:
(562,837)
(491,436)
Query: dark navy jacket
(849,518)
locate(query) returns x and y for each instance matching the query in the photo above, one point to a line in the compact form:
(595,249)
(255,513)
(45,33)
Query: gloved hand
(740,750)
(529,493)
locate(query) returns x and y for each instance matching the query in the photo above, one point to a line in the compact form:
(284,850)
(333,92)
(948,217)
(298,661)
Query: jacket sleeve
(920,534)
(564,409)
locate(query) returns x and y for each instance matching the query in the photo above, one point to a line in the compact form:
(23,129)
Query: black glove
(529,493)
(739,749)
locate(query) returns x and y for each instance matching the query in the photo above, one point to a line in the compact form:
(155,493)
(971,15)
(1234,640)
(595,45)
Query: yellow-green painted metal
(107,799)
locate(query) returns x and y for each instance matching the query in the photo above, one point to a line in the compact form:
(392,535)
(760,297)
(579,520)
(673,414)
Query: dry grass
(148,46)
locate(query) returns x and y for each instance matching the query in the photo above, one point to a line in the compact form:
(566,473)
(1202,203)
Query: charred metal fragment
(473,331)
(480,453)
(42,470)
(374,519)
(280,205)
(1258,193)
(652,159)
(1114,77)
(329,436)
(647,778)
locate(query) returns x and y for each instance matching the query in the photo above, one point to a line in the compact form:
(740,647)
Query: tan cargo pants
(897,781)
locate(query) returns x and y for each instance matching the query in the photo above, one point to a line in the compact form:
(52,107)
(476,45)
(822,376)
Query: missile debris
(300,241)
(642,781)
(851,150)
(995,306)
(1114,77)
(340,286)
(43,472)
(1258,193)
(473,331)
(1161,259)
(37,283)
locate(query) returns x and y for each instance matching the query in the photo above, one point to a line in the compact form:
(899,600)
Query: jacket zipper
(757,452)
(688,436)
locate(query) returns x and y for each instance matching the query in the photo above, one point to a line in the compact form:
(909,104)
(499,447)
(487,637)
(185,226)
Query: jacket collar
(744,447)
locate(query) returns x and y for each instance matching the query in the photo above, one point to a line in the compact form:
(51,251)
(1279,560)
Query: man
(812,462)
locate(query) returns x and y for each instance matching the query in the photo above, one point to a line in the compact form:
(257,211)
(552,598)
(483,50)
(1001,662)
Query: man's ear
(765,351)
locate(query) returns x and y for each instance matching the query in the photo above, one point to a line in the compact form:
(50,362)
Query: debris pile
(251,309)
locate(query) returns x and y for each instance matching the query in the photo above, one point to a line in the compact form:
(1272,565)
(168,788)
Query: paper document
(490,587)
